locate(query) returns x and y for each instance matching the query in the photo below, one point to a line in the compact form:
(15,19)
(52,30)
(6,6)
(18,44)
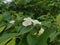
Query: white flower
(36,22)
(12,21)
(41,31)
(27,22)
(7,1)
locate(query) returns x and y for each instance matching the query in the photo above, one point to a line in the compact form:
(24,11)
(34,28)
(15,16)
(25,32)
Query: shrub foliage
(46,11)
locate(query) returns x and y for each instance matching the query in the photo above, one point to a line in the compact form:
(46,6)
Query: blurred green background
(46,11)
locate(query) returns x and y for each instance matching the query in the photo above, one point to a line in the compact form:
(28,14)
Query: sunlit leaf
(12,42)
(7,36)
(2,28)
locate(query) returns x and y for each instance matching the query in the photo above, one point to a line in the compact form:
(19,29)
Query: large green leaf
(7,36)
(12,42)
(24,30)
(4,42)
(31,40)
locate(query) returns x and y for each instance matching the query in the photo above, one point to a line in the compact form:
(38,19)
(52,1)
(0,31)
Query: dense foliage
(45,11)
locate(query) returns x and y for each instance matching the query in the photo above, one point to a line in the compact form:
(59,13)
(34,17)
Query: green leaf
(23,42)
(31,40)
(1,18)
(43,38)
(6,16)
(54,35)
(24,30)
(3,43)
(2,28)
(12,42)
(9,26)
(57,19)
(7,36)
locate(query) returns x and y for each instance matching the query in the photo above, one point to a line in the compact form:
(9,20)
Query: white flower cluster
(7,1)
(28,21)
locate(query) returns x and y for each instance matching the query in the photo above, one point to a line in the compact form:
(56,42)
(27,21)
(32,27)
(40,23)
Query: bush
(30,22)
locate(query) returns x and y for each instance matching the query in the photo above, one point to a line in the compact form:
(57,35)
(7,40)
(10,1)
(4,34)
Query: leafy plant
(29,22)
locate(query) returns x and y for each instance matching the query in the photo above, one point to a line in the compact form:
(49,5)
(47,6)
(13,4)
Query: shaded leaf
(31,40)
(25,30)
